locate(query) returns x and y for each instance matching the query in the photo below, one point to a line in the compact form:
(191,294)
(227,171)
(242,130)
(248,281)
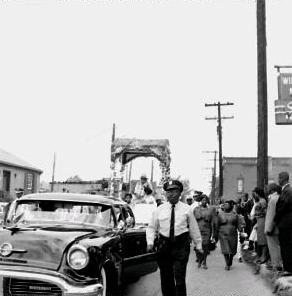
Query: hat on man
(143,176)
(173,184)
(189,197)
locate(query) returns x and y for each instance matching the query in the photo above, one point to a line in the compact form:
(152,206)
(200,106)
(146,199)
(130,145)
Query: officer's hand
(150,248)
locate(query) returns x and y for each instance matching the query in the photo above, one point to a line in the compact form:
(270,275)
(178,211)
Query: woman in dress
(228,222)
(205,219)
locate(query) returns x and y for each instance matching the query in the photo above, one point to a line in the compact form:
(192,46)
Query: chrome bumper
(67,288)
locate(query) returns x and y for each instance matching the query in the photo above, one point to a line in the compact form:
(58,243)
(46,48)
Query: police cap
(173,184)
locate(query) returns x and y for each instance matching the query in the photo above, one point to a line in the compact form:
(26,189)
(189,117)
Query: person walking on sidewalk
(271,230)
(283,220)
(205,218)
(260,209)
(175,224)
(227,224)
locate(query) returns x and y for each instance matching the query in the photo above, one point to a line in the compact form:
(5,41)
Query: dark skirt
(228,241)
(261,237)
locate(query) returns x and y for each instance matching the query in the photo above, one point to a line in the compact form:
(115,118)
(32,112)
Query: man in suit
(175,225)
(283,220)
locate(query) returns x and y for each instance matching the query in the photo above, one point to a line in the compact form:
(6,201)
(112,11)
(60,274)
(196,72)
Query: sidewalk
(215,281)
(282,286)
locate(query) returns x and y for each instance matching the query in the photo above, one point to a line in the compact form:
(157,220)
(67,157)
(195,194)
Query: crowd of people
(143,193)
(260,222)
(268,224)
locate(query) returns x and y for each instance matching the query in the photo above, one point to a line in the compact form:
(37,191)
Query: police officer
(176,226)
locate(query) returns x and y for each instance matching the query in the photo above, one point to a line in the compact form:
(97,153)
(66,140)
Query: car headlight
(77,257)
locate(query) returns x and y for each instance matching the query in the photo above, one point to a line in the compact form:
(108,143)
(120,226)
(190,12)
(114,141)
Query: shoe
(199,265)
(240,260)
(227,267)
(204,266)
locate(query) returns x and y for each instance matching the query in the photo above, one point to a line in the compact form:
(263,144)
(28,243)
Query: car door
(136,260)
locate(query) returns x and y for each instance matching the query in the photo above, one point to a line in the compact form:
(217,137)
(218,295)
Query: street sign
(283,111)
(283,106)
(285,86)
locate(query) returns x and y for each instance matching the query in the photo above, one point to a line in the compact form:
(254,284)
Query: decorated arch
(124,150)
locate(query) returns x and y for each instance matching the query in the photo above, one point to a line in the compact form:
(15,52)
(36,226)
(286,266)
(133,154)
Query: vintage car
(63,244)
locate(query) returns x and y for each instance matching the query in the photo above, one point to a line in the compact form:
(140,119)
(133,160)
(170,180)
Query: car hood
(39,247)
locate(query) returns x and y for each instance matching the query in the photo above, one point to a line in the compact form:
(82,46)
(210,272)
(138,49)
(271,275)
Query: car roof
(73,197)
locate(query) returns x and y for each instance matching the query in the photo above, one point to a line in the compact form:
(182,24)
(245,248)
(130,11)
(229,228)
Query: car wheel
(108,282)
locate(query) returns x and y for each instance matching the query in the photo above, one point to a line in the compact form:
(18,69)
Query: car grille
(21,287)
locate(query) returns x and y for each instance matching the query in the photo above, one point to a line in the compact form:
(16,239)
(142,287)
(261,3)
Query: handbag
(212,244)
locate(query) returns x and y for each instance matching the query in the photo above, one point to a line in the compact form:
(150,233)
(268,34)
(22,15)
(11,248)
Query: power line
(219,132)
(213,182)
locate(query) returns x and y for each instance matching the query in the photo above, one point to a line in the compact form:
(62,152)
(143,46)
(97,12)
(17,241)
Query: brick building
(240,174)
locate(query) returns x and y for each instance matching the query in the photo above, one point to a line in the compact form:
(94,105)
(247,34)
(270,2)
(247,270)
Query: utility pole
(152,168)
(262,157)
(112,176)
(53,174)
(130,175)
(114,132)
(219,132)
(214,171)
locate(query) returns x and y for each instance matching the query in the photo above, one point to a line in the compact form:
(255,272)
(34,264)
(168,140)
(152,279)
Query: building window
(239,185)
(29,181)
(6,180)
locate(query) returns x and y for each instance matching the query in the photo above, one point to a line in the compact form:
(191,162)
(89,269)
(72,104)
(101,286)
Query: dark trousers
(172,259)
(285,238)
(228,259)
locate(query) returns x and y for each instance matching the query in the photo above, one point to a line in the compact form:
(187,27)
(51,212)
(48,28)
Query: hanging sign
(283,111)
(283,106)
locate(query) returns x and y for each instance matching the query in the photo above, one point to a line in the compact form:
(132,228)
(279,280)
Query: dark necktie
(171,229)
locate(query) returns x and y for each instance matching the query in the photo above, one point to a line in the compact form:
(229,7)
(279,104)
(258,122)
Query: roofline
(21,166)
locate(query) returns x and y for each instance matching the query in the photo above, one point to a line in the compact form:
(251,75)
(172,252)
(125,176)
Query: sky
(70,69)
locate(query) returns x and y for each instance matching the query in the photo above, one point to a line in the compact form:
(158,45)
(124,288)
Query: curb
(281,286)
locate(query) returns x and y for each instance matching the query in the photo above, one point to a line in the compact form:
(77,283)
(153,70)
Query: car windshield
(143,213)
(63,212)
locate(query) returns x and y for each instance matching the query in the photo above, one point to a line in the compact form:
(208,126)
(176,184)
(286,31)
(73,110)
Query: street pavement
(215,281)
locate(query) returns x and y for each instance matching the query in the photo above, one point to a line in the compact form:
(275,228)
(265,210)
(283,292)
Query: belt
(182,238)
